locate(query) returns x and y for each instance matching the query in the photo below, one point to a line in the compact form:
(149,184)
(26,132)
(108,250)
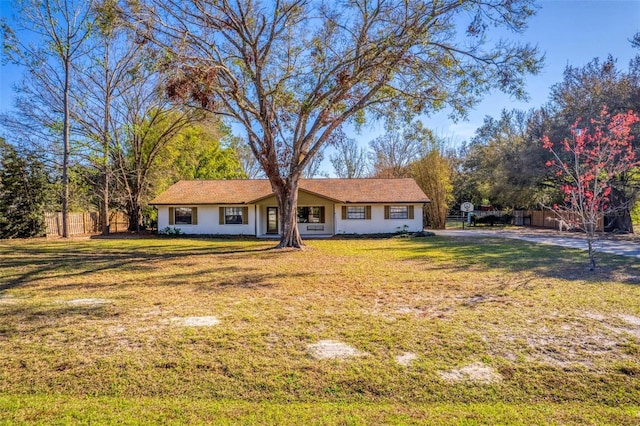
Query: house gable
(304,198)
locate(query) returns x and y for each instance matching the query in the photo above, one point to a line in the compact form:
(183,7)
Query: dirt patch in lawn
(594,316)
(405,359)
(631,326)
(207,321)
(630,319)
(473,373)
(7,300)
(91,301)
(589,340)
(331,349)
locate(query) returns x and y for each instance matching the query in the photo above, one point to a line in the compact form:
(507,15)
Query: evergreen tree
(23,194)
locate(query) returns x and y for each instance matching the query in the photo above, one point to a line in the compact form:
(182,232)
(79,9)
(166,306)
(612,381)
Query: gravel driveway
(609,244)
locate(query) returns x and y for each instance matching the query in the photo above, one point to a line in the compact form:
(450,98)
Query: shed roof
(248,191)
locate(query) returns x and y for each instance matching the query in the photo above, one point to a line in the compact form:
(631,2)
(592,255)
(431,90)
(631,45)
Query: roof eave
(386,202)
(182,203)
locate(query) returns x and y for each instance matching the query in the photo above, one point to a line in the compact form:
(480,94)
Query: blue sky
(569,32)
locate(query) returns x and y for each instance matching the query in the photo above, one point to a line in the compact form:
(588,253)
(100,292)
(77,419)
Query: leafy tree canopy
(200,151)
(293,71)
(502,162)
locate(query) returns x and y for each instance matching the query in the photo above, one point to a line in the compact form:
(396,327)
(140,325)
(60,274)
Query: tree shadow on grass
(37,320)
(519,256)
(27,263)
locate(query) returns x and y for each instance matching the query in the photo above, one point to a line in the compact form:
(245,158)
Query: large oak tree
(290,72)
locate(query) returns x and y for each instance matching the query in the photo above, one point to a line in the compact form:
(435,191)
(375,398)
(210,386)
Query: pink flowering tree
(587,164)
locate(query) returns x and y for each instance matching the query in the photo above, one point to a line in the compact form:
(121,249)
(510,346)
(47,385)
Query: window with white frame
(233,216)
(183,216)
(356,212)
(398,212)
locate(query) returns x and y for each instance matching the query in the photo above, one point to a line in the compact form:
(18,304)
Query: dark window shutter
(245,215)
(221,213)
(386,212)
(172,215)
(344,212)
(194,215)
(367,212)
(321,214)
(410,211)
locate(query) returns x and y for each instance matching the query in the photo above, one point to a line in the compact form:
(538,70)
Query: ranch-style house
(325,207)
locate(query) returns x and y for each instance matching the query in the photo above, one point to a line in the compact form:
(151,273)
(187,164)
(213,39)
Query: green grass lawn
(91,332)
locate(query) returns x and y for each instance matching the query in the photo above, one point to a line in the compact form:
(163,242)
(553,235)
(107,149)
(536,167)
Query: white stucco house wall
(326,207)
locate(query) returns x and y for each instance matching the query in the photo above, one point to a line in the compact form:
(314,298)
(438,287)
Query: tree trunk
(66,150)
(105,153)
(287,195)
(104,214)
(619,220)
(104,208)
(591,228)
(592,254)
(133,211)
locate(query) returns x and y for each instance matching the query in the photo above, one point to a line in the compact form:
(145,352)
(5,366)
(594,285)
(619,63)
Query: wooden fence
(552,220)
(535,218)
(118,222)
(85,223)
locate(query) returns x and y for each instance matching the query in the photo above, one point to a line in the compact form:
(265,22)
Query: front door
(272,220)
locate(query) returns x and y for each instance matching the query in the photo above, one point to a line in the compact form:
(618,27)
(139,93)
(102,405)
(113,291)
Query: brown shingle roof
(366,190)
(214,192)
(250,190)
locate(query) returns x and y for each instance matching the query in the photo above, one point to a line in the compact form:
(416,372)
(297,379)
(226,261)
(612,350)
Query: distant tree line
(91,113)
(122,98)
(504,164)
(119,100)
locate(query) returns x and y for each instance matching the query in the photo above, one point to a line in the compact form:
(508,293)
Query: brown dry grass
(554,332)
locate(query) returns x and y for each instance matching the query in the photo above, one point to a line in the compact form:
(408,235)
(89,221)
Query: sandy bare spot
(630,319)
(195,321)
(594,316)
(475,373)
(91,301)
(405,359)
(330,349)
(409,310)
